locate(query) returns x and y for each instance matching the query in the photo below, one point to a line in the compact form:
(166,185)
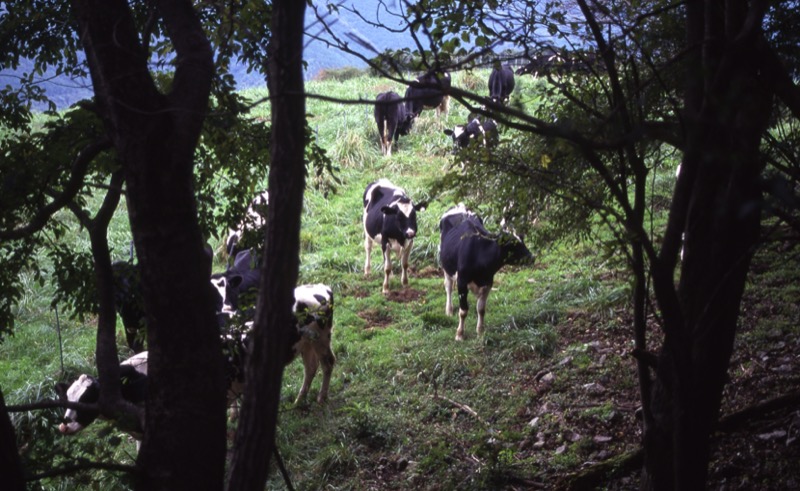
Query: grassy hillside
(549,389)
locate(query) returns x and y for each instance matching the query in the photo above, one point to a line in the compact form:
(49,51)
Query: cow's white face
(79,391)
(220,284)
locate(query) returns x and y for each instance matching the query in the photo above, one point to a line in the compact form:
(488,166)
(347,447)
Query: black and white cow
(393,119)
(253,223)
(313,308)
(484,132)
(311,332)
(243,277)
(390,220)
(501,84)
(429,91)
(470,256)
(86,390)
(310,339)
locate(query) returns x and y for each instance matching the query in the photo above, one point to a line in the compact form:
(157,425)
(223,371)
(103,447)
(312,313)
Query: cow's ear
(61,390)
(389,210)
(421,206)
(448,132)
(235,280)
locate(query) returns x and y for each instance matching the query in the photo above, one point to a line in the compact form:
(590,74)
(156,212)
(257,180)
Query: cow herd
(395,115)
(469,255)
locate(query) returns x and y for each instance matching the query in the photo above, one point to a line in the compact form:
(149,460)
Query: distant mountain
(317,53)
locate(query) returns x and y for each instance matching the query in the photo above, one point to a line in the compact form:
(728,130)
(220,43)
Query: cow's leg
(387,267)
(328,360)
(448,291)
(367,250)
(463,307)
(404,253)
(310,365)
(483,295)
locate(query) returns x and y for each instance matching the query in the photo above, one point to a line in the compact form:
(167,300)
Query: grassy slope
(549,387)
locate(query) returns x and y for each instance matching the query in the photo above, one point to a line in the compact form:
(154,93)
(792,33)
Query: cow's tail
(386,139)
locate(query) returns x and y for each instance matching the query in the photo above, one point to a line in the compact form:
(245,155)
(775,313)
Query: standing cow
(471,256)
(501,84)
(311,332)
(392,118)
(429,91)
(390,220)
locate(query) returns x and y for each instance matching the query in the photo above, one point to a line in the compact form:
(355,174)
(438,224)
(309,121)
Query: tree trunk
(255,435)
(718,202)
(155,136)
(13,478)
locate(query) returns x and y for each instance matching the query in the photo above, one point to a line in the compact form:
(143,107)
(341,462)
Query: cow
(429,91)
(129,303)
(390,220)
(311,332)
(253,223)
(86,390)
(501,84)
(470,256)
(243,277)
(393,119)
(463,134)
(547,61)
(310,339)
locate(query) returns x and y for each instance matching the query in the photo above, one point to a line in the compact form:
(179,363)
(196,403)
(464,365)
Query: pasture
(549,389)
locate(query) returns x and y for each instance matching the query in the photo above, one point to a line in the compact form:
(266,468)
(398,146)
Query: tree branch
(80,167)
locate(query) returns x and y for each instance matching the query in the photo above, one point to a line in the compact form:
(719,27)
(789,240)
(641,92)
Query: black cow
(129,303)
(484,132)
(390,220)
(392,118)
(429,91)
(86,389)
(250,230)
(501,84)
(471,256)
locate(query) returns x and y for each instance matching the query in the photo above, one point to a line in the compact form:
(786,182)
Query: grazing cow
(429,91)
(390,220)
(463,134)
(501,84)
(249,231)
(86,389)
(471,256)
(392,118)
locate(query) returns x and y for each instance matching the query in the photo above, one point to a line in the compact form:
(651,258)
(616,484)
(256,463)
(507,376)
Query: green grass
(396,417)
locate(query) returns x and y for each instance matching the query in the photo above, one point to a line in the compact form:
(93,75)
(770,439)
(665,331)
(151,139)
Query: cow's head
(404,212)
(226,287)
(463,134)
(514,249)
(85,390)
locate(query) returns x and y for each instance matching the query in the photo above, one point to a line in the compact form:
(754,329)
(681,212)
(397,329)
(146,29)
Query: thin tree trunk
(13,477)
(255,435)
(155,136)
